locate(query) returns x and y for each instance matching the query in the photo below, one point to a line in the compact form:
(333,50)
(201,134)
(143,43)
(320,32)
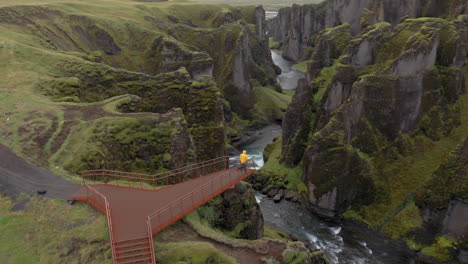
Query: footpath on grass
(17,175)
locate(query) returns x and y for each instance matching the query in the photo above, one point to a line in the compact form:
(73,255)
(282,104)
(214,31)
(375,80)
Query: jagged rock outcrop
(236,211)
(232,47)
(251,61)
(296,124)
(241,57)
(146,144)
(444,200)
(374,120)
(351,115)
(331,44)
(297,26)
(228,45)
(196,133)
(364,50)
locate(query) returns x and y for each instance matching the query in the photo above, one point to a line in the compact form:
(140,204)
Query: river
(342,243)
(289,75)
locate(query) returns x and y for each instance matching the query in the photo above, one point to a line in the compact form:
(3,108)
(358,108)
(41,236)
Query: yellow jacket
(243,157)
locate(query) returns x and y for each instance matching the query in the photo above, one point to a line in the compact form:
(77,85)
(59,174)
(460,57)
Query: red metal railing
(150,239)
(99,201)
(182,206)
(162,179)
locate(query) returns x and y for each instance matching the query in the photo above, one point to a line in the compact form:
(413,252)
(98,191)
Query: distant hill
(267,4)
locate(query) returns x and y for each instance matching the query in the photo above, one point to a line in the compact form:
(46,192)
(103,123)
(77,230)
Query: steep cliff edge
(207,60)
(375,121)
(295,27)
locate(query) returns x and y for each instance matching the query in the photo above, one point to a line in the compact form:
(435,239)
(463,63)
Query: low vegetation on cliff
(66,66)
(379,131)
(141,86)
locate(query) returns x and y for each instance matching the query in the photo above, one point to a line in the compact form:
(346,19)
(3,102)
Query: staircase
(134,251)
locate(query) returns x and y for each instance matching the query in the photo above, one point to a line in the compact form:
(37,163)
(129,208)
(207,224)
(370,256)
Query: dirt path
(17,175)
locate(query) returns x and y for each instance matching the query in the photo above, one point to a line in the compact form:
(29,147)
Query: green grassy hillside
(66,64)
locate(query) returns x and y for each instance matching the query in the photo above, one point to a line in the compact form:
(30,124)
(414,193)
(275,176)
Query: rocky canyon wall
(380,112)
(296,27)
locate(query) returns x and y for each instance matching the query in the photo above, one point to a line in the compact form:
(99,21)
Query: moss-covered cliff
(61,61)
(295,28)
(375,122)
(142,86)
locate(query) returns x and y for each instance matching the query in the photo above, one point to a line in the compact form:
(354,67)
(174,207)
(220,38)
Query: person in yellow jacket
(243,161)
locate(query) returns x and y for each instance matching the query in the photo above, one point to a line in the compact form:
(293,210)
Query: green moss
(292,256)
(301,66)
(353,215)
(289,255)
(203,228)
(191,252)
(324,80)
(448,182)
(121,143)
(272,233)
(271,104)
(277,174)
(403,177)
(408,219)
(341,36)
(273,44)
(416,34)
(238,229)
(441,249)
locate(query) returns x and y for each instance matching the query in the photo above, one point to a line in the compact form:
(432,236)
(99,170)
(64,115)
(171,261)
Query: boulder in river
(279,196)
(288,195)
(272,193)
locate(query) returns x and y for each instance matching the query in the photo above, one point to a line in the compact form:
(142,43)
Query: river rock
(272,193)
(237,207)
(279,196)
(296,198)
(288,195)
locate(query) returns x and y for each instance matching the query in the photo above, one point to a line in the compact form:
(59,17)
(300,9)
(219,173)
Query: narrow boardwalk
(135,214)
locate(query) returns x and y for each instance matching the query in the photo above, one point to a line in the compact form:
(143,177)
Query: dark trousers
(243,167)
